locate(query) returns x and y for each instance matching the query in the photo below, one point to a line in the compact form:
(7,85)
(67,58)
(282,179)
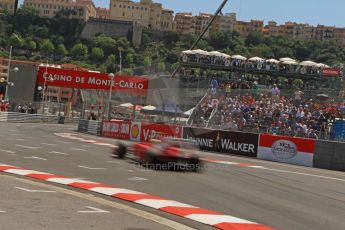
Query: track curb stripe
(214,219)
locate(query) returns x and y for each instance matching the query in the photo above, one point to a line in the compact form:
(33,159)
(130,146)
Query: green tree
(97,54)
(128,72)
(129,58)
(160,67)
(79,50)
(219,40)
(254,38)
(16,41)
(106,43)
(262,51)
(110,64)
(31,45)
(61,50)
(147,61)
(47,47)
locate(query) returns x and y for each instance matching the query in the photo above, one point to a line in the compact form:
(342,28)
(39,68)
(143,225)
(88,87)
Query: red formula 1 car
(166,154)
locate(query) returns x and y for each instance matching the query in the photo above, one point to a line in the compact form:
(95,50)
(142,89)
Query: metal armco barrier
(94,127)
(330,155)
(83,126)
(20,117)
(223,141)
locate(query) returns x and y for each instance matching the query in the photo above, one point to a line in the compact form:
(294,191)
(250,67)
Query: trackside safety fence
(290,150)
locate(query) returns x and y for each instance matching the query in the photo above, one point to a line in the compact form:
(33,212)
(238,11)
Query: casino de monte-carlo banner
(91,80)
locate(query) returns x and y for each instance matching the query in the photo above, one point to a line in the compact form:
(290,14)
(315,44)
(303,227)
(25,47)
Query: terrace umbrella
(286,59)
(203,52)
(127,105)
(238,57)
(272,61)
(308,63)
(189,112)
(149,107)
(256,59)
(321,65)
(216,53)
(293,62)
(187,52)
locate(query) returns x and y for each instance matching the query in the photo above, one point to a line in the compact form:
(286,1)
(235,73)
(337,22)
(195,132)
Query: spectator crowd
(268,112)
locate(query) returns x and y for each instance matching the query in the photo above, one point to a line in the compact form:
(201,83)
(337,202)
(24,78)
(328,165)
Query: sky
(326,12)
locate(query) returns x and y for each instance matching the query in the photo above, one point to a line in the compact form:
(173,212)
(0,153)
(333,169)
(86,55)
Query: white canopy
(199,52)
(256,59)
(293,62)
(127,105)
(216,53)
(308,63)
(321,65)
(149,107)
(287,59)
(238,57)
(226,55)
(187,52)
(272,61)
(189,112)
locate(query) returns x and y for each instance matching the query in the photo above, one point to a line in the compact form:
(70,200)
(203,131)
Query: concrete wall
(111,28)
(329,155)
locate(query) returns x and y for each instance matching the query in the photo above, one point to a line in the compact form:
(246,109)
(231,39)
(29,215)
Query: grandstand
(283,96)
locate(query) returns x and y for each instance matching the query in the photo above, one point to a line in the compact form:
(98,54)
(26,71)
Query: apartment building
(184,23)
(227,22)
(102,13)
(145,13)
(244,28)
(81,9)
(339,36)
(200,22)
(7,5)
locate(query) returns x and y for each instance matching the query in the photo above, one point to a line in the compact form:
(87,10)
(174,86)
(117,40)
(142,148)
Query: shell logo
(135,131)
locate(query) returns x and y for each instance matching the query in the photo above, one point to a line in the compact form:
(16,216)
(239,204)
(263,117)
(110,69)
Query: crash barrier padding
(290,150)
(330,155)
(116,129)
(139,131)
(237,143)
(83,126)
(94,127)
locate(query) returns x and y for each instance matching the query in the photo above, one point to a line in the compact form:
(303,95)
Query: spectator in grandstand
(214,83)
(275,92)
(298,97)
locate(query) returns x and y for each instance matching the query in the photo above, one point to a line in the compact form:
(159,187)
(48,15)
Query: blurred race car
(165,154)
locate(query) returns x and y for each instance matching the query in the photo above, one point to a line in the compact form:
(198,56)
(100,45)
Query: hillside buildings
(146,13)
(7,5)
(151,15)
(81,9)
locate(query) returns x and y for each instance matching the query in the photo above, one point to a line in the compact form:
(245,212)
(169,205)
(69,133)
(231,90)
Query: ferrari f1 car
(165,154)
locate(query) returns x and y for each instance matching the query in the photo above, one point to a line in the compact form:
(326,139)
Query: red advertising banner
(291,150)
(155,131)
(331,72)
(116,129)
(91,80)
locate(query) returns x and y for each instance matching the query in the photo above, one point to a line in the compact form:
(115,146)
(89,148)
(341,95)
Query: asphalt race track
(276,195)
